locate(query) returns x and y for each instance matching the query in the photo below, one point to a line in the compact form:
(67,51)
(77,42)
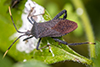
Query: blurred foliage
(97,59)
(31,63)
(6,62)
(53,7)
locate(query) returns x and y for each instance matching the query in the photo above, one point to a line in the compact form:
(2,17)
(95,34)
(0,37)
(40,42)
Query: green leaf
(47,16)
(31,63)
(59,52)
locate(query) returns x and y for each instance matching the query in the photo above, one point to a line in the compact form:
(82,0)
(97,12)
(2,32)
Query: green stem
(87,26)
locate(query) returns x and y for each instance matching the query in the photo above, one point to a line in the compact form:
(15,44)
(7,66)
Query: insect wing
(65,26)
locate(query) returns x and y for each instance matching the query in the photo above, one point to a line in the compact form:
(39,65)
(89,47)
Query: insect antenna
(16,30)
(13,21)
(11,45)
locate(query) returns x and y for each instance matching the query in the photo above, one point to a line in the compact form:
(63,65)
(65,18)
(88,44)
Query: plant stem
(87,26)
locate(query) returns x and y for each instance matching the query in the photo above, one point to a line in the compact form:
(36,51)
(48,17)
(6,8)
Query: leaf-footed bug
(56,27)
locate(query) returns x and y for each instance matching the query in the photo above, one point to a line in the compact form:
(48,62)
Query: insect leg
(28,38)
(32,8)
(37,47)
(80,43)
(29,20)
(33,20)
(61,13)
(63,42)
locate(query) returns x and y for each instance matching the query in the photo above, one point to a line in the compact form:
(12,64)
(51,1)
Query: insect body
(56,27)
(53,28)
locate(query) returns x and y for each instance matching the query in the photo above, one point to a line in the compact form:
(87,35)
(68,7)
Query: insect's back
(55,28)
